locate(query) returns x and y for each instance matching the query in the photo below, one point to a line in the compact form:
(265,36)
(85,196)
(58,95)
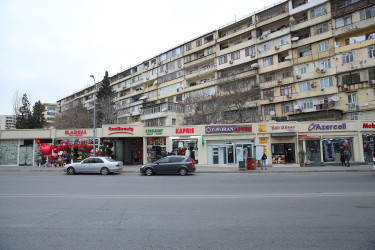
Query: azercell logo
(368,125)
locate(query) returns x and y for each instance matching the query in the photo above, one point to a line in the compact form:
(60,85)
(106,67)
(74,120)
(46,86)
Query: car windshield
(110,159)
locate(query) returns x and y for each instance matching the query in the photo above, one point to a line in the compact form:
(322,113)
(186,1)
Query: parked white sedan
(102,165)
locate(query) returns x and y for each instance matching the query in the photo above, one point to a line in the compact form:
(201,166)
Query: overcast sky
(49,48)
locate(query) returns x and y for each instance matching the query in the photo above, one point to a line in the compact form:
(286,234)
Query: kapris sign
(184,130)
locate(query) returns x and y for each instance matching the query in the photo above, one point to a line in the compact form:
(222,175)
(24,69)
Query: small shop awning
(283,135)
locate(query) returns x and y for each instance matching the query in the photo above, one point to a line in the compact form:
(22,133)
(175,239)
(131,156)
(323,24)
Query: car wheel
(182,171)
(104,171)
(70,171)
(149,171)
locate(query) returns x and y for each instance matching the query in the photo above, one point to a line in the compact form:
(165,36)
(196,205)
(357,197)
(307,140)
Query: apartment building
(50,112)
(310,60)
(7,122)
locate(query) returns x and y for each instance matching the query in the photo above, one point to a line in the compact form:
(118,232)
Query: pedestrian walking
(342,159)
(264,161)
(347,157)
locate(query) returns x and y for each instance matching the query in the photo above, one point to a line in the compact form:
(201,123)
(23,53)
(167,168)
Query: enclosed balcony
(160,110)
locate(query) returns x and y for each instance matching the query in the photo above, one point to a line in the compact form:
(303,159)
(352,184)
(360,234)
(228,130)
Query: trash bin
(250,164)
(241,165)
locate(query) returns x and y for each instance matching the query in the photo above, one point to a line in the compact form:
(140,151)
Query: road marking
(184,196)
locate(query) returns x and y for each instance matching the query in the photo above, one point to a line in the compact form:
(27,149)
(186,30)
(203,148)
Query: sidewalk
(289,168)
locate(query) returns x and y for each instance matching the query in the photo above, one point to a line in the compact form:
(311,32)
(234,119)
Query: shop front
(229,144)
(368,138)
(283,143)
(156,143)
(184,141)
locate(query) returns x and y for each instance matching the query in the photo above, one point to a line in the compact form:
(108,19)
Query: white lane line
(203,196)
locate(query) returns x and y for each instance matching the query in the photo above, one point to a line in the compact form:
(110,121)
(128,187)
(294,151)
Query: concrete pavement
(288,168)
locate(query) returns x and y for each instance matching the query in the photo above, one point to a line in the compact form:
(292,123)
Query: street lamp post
(92,76)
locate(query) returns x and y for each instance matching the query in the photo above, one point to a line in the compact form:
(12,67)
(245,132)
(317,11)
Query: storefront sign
(156,131)
(283,127)
(121,130)
(368,125)
(263,140)
(228,129)
(317,126)
(75,132)
(262,128)
(184,130)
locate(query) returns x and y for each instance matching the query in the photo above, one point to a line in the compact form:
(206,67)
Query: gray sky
(49,48)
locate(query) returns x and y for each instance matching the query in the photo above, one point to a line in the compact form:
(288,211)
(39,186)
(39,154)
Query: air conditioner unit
(289,95)
(288,58)
(371,82)
(345,86)
(279,80)
(277,47)
(295,39)
(179,65)
(270,99)
(313,85)
(298,76)
(323,70)
(166,71)
(255,65)
(231,61)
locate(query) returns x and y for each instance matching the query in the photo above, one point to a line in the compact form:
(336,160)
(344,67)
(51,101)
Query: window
(223,59)
(199,43)
(304,51)
(170,65)
(211,91)
(282,40)
(176,86)
(343,21)
(323,46)
(320,28)
(237,29)
(269,108)
(235,55)
(347,57)
(164,90)
(264,46)
(267,93)
(250,51)
(224,34)
(188,58)
(267,61)
(210,50)
(326,82)
(304,86)
(162,57)
(306,104)
(321,10)
(367,12)
(371,51)
(352,98)
(351,78)
(303,69)
(287,107)
(173,121)
(285,90)
(371,74)
(354,116)
(324,64)
(188,47)
(200,92)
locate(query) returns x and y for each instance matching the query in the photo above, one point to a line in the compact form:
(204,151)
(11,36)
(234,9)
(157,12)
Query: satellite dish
(272,112)
(296,107)
(335,98)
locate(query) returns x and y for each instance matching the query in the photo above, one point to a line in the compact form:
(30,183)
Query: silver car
(103,165)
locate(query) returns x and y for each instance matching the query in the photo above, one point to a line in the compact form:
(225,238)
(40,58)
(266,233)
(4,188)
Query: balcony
(200,60)
(306,6)
(276,82)
(310,22)
(354,27)
(200,73)
(347,8)
(160,110)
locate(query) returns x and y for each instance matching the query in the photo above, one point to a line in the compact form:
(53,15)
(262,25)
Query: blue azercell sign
(317,126)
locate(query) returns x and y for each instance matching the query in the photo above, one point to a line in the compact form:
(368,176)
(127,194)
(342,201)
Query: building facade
(7,122)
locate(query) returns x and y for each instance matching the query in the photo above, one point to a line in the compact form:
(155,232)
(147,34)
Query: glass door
(230,154)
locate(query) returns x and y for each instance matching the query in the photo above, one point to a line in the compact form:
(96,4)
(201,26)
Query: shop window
(332,148)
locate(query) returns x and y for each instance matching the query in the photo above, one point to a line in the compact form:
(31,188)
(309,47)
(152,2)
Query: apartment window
(188,47)
(371,51)
(200,92)
(223,59)
(198,42)
(352,98)
(321,10)
(161,69)
(237,29)
(267,93)
(285,90)
(304,51)
(367,12)
(326,82)
(323,46)
(176,86)
(343,21)
(264,46)
(164,90)
(154,72)
(210,50)
(282,40)
(351,78)
(173,121)
(307,103)
(347,57)
(188,58)
(267,61)
(304,86)
(324,64)
(170,65)
(321,28)
(269,109)
(354,116)
(250,51)
(235,55)
(287,107)
(371,74)
(303,69)
(224,34)
(211,91)
(287,74)
(162,57)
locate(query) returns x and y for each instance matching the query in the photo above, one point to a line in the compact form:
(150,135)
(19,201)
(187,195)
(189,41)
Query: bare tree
(17,101)
(74,117)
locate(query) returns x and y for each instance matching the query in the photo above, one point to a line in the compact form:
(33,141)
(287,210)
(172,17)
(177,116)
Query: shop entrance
(221,152)
(283,153)
(230,154)
(129,150)
(313,152)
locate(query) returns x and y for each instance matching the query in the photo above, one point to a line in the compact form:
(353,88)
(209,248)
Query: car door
(162,165)
(84,165)
(174,164)
(96,165)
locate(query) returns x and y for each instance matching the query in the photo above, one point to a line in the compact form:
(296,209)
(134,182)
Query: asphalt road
(201,211)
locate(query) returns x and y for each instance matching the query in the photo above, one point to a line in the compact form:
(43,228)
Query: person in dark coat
(342,159)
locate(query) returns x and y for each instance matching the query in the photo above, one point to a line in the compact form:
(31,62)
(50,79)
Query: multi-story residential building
(7,122)
(50,112)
